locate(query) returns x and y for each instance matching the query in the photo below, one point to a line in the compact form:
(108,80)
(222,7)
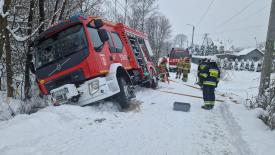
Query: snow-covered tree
(140,12)
(180,40)
(158,28)
(5,46)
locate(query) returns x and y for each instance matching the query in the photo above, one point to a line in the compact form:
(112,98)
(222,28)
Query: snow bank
(261,139)
(8,108)
(11,107)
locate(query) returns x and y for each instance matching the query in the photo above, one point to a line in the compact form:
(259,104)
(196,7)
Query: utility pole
(269,51)
(193,31)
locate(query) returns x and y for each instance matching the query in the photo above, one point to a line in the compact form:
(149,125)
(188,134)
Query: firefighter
(189,64)
(202,70)
(210,82)
(179,68)
(186,69)
(164,74)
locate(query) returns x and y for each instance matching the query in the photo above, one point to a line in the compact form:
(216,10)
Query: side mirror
(103,34)
(98,23)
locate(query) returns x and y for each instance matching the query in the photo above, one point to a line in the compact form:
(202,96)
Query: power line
(206,12)
(237,14)
(252,14)
(239,29)
(245,19)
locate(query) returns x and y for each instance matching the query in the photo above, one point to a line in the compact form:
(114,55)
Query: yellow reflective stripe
(204,75)
(202,67)
(104,71)
(214,73)
(210,83)
(209,102)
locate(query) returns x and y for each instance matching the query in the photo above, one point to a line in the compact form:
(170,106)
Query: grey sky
(242,29)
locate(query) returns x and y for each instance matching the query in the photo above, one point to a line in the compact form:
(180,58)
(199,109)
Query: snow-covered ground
(152,128)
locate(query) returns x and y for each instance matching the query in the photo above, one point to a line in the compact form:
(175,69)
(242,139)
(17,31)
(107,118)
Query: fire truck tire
(124,96)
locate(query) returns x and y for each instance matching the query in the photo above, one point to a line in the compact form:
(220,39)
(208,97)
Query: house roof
(202,57)
(246,51)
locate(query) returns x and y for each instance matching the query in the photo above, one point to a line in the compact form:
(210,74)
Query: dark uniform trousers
(208,95)
(209,85)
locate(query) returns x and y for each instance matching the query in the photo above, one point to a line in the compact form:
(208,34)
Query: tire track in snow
(234,129)
(214,138)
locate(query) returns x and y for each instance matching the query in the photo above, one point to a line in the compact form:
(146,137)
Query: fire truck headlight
(94,87)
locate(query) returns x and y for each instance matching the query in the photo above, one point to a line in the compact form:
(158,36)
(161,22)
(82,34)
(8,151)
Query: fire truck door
(117,50)
(101,52)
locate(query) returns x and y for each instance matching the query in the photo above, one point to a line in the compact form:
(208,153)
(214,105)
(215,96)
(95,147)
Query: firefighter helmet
(164,59)
(213,59)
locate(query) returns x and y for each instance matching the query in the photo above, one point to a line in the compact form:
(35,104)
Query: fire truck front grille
(76,77)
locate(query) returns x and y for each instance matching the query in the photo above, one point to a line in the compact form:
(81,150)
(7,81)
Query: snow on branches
(22,38)
(2,13)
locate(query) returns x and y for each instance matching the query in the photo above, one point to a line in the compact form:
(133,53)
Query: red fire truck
(84,60)
(174,57)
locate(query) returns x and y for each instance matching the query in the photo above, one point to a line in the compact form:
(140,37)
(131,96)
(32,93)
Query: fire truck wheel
(124,96)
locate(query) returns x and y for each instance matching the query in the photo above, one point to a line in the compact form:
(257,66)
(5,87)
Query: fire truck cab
(174,57)
(85,60)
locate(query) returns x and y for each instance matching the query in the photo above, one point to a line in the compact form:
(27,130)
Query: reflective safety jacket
(180,64)
(186,66)
(203,70)
(212,76)
(163,67)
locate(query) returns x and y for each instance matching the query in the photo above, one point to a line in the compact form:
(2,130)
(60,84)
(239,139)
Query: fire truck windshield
(60,45)
(179,54)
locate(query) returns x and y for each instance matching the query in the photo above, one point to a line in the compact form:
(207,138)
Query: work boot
(206,107)
(211,107)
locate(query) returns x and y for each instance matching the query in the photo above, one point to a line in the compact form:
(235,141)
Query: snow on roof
(246,51)
(218,43)
(202,57)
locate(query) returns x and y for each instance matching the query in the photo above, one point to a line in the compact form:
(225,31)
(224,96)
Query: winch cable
(223,95)
(182,94)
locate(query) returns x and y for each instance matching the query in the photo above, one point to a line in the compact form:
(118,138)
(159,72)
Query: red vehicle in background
(174,57)
(84,60)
